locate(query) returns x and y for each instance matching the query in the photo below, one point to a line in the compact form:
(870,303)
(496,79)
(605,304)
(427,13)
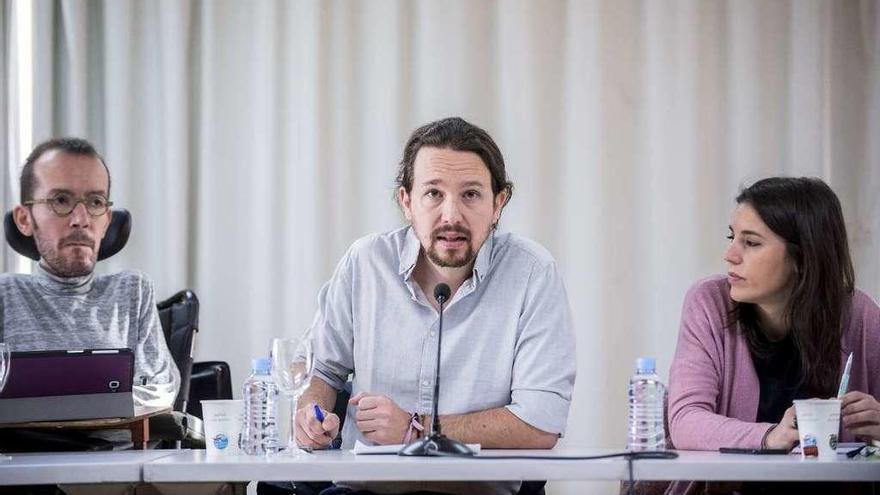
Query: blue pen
(319,414)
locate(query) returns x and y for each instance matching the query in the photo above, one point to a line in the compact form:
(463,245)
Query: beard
(66,266)
(448,258)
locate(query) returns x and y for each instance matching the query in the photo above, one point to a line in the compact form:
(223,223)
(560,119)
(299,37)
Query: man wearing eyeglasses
(65,206)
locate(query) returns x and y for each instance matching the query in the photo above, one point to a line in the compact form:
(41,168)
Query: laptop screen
(53,373)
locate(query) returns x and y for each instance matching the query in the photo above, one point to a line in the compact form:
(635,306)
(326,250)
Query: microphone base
(436,445)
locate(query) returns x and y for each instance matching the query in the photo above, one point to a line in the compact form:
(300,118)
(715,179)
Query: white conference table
(78,467)
(196,466)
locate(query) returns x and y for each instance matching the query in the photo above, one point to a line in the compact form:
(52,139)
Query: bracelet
(415,426)
(766,434)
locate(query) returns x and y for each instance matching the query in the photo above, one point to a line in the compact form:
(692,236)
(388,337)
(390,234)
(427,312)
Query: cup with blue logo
(222,420)
(818,423)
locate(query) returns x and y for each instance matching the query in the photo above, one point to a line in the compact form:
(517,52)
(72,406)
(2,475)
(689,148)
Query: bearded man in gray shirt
(507,366)
(65,186)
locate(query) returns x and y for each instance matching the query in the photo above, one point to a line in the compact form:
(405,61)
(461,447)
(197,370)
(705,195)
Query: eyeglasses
(64,203)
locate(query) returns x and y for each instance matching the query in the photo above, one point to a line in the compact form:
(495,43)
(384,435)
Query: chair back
(179,315)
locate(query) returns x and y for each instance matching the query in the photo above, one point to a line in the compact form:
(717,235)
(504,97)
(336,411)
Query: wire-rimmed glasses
(63,203)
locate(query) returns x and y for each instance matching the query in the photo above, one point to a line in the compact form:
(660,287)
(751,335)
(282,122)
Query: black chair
(179,315)
(209,380)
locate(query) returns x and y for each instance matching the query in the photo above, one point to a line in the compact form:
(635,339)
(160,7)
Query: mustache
(459,229)
(78,237)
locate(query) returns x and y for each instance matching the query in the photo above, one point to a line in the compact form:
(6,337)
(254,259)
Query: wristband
(415,427)
(766,434)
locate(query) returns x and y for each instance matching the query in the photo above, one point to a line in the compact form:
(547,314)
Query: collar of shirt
(63,285)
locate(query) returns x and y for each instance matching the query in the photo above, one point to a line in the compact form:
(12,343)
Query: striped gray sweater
(46,312)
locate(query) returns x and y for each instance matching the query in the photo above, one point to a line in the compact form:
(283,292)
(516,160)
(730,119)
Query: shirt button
(433,333)
(425,383)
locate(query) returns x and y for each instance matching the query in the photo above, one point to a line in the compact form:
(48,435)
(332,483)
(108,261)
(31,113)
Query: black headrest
(113,242)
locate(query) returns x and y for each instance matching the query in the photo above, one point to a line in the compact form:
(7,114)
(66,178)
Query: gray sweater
(45,312)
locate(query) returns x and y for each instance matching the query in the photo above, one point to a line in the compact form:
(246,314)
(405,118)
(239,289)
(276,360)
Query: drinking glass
(292,361)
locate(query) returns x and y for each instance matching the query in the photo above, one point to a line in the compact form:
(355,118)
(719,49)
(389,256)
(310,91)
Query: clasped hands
(378,417)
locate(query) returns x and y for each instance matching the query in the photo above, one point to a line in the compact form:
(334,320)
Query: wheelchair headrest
(113,242)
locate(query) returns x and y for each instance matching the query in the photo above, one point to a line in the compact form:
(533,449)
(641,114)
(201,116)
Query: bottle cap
(646,365)
(261,365)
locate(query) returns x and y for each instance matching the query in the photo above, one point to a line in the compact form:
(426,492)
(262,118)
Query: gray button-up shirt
(507,332)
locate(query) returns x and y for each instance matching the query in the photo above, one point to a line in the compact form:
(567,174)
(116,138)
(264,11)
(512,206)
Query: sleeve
(696,380)
(544,364)
(333,327)
(865,341)
(157,379)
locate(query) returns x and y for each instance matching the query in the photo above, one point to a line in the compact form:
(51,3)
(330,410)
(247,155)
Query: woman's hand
(785,434)
(860,415)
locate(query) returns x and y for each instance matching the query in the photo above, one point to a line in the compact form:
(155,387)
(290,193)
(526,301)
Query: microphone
(437,443)
(441,294)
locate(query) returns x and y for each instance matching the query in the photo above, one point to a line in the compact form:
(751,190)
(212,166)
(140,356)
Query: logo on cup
(810,447)
(832,441)
(221,441)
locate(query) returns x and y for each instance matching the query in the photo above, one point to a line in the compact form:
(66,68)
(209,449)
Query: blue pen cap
(646,365)
(261,365)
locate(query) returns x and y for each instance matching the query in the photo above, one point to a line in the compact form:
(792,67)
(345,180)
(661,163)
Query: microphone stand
(437,443)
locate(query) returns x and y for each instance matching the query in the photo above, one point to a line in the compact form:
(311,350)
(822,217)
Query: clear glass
(5,364)
(292,361)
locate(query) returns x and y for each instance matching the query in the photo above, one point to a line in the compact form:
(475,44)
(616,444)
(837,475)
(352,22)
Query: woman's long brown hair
(807,215)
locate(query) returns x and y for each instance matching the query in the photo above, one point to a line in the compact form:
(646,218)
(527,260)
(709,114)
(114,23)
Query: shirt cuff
(544,410)
(328,376)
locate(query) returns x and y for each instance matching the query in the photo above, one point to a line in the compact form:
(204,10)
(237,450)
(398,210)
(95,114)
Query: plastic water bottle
(259,432)
(647,401)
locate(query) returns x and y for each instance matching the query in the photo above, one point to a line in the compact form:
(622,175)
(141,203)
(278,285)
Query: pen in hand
(319,414)
(844,380)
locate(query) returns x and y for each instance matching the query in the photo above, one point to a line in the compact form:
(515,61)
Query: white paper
(361,448)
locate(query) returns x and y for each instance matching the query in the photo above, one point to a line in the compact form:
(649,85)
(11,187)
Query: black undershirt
(779,375)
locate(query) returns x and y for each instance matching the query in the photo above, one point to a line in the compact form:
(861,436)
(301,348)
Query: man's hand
(380,419)
(312,433)
(860,415)
(785,435)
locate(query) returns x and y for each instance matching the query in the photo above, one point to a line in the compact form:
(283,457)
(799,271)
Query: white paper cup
(818,423)
(222,420)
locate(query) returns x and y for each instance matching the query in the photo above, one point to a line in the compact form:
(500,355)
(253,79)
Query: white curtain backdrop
(7,115)
(254,141)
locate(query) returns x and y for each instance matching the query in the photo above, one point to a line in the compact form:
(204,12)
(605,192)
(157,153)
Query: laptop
(68,385)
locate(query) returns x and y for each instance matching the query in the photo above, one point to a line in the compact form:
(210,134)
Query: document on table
(361,448)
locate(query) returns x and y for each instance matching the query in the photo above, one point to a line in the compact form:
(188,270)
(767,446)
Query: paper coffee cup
(818,422)
(222,420)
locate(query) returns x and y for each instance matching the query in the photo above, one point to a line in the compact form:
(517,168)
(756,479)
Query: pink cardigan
(713,387)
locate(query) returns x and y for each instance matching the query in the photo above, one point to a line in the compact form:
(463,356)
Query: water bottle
(647,401)
(259,433)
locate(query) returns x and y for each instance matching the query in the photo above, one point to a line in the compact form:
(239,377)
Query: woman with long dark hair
(776,328)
